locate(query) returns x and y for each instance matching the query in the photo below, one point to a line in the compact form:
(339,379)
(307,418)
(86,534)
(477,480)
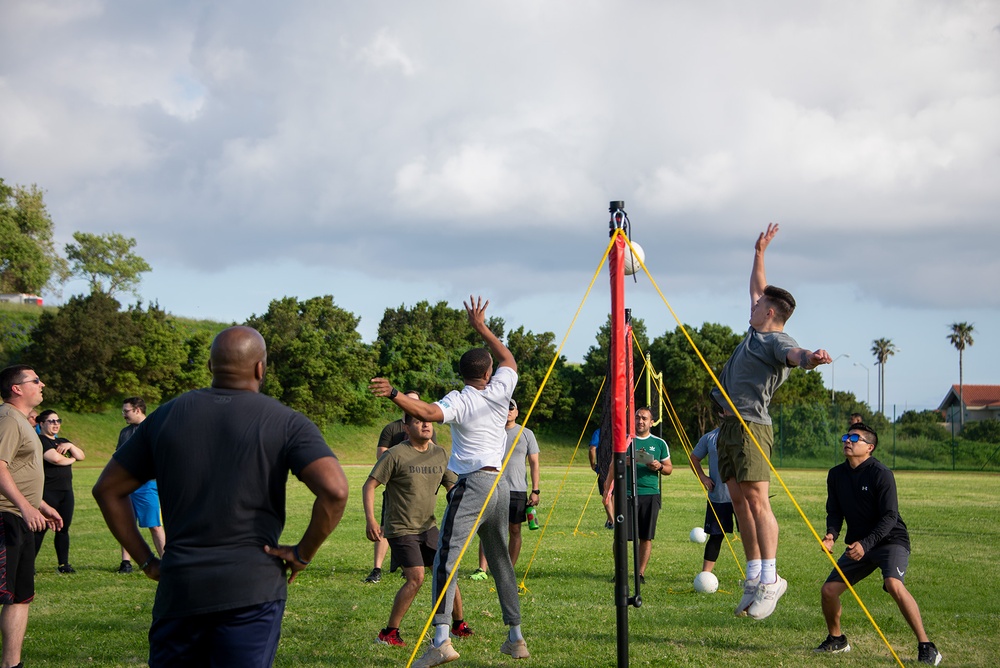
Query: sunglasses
(853,438)
(53,421)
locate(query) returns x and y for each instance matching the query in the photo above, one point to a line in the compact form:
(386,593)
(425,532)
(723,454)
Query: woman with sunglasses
(58,456)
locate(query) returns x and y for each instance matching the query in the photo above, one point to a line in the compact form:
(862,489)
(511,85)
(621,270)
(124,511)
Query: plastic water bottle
(532,517)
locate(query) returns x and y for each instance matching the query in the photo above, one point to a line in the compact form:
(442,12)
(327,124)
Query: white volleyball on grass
(698,535)
(706,583)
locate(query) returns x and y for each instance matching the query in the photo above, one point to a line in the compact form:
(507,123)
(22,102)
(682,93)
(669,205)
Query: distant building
(982,402)
(21,298)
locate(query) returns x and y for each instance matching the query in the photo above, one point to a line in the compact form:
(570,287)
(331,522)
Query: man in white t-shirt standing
(478,415)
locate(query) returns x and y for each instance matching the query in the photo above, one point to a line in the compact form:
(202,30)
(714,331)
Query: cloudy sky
(390,152)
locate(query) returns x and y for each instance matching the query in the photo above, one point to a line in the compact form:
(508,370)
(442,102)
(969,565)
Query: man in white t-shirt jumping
(477,415)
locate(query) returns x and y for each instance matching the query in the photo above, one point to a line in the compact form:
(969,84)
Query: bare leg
(830,594)
(708,566)
(907,606)
(514,546)
(159,540)
(645,550)
(404,597)
(483,566)
(381,549)
(125,555)
(13,624)
(763,521)
(456,610)
(748,530)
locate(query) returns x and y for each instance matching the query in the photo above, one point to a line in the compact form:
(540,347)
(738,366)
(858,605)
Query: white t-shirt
(478,419)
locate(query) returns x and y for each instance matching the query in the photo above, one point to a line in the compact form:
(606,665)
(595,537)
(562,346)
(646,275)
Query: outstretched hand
(476,308)
(818,357)
(765,237)
(287,554)
(380,387)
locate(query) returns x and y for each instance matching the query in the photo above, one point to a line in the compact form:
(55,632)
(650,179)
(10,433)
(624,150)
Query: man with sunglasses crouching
(862,491)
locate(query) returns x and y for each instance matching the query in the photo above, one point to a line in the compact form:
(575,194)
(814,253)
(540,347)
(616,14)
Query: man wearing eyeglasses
(22,510)
(146,499)
(862,491)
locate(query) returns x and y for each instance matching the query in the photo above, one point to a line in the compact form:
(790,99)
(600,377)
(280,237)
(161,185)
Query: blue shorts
(241,638)
(146,505)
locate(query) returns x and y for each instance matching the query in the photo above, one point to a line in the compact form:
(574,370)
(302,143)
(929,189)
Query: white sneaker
(767,598)
(749,593)
(517,649)
(435,656)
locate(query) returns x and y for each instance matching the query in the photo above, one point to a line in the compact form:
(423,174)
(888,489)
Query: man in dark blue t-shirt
(221,457)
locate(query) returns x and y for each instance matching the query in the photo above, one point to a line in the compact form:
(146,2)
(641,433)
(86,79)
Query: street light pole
(868,386)
(833,375)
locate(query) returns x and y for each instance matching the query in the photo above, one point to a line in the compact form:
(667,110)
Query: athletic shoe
(517,649)
(834,645)
(435,656)
(387,637)
(126,567)
(609,525)
(461,631)
(642,579)
(767,598)
(479,575)
(928,653)
(66,568)
(749,593)
(375,576)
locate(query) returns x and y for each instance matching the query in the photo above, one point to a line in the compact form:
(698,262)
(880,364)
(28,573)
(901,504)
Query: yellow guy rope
(489,496)
(732,407)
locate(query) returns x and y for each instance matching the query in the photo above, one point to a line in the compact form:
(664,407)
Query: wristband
(295,551)
(145,564)
(535,492)
(392,395)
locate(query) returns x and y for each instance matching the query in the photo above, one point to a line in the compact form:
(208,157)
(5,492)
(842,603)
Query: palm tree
(960,337)
(882,349)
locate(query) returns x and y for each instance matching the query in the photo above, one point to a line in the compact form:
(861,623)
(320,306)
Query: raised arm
(758,277)
(381,387)
(476,308)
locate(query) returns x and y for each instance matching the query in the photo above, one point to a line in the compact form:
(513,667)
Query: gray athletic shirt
(755,370)
(516,471)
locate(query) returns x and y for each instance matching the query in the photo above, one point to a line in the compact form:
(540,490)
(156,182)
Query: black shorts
(647,510)
(17,560)
(726,516)
(518,505)
(416,549)
(892,559)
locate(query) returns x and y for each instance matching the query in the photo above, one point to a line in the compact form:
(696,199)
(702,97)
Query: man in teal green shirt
(652,460)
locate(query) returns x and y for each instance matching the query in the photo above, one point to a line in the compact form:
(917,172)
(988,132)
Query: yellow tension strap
(791,497)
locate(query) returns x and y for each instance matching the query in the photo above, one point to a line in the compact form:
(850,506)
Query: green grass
(99,618)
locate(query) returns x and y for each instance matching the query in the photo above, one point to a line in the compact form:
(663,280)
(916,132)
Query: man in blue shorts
(221,456)
(146,499)
(862,491)
(477,415)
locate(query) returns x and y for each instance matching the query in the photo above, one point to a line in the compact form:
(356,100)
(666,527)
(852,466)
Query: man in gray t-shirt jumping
(755,370)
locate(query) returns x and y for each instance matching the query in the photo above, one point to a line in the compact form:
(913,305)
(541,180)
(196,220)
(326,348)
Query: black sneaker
(834,645)
(642,579)
(928,653)
(126,567)
(375,576)
(66,568)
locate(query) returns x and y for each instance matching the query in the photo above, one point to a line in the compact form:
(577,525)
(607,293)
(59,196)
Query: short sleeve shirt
(21,449)
(411,480)
(646,481)
(516,472)
(478,418)
(707,446)
(753,373)
(56,477)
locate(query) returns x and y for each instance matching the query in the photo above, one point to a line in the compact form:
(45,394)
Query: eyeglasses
(36,380)
(853,438)
(126,411)
(53,421)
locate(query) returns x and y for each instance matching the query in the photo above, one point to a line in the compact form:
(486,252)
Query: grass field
(99,618)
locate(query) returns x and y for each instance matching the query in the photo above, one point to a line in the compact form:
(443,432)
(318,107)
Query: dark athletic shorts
(892,559)
(518,504)
(17,560)
(240,637)
(648,510)
(416,549)
(726,516)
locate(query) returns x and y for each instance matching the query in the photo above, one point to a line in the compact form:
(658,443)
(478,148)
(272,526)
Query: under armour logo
(901,573)
(864,488)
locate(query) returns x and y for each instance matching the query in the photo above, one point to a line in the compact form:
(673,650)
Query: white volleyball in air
(698,535)
(706,583)
(631,263)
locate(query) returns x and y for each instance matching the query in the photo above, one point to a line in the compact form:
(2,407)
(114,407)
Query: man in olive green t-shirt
(412,472)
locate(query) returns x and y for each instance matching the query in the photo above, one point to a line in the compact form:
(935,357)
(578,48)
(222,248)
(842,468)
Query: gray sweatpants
(466,500)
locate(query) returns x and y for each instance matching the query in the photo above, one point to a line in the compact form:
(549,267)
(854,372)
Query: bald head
(238,359)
